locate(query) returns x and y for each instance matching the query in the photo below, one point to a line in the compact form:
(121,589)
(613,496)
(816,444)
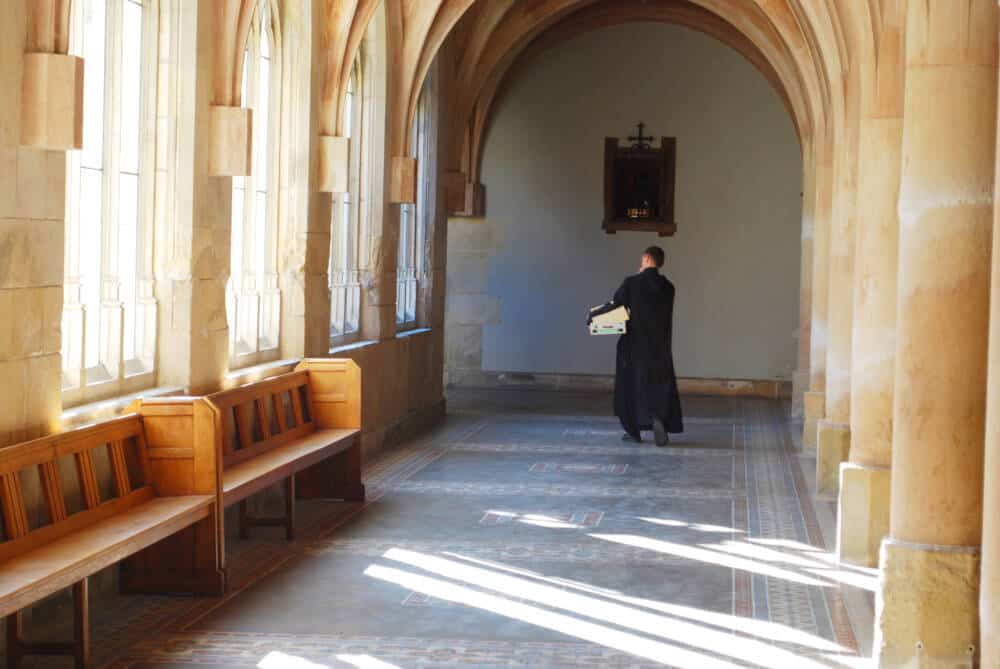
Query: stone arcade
(200,194)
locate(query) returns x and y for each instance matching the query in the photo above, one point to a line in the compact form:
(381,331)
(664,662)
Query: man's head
(652,257)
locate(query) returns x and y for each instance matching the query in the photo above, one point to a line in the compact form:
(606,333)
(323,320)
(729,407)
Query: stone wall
(521,279)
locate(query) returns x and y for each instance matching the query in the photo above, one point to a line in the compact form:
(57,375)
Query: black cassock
(645,382)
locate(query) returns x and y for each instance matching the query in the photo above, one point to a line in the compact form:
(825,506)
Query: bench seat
(275,465)
(51,567)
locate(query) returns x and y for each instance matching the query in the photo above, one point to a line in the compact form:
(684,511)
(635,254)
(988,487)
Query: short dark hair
(656,254)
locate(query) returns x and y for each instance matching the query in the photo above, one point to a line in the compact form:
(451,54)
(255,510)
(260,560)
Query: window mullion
(111,306)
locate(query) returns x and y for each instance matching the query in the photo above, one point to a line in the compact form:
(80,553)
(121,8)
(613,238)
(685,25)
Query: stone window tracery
(343,273)
(109,310)
(414,219)
(253,299)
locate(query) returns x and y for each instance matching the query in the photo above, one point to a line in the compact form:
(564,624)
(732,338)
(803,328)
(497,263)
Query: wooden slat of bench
(242,480)
(57,565)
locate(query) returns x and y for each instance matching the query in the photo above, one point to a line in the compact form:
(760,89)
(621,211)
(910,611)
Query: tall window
(345,287)
(253,300)
(109,314)
(414,220)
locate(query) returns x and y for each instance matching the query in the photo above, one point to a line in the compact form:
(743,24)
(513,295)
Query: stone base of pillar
(927,610)
(833,444)
(862,513)
(800,384)
(814,405)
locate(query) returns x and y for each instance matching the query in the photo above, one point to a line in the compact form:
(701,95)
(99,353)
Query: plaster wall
(521,280)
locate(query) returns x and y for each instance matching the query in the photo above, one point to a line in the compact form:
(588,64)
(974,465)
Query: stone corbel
(403,180)
(231,141)
(475,200)
(334,162)
(52,101)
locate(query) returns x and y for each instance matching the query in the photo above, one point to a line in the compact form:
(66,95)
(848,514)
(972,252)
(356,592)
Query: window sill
(245,375)
(93,412)
(411,332)
(344,348)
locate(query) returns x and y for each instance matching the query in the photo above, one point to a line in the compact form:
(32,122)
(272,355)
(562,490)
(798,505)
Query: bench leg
(81,624)
(290,508)
(15,640)
(78,649)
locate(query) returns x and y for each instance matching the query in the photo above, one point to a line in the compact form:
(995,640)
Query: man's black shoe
(660,433)
(631,438)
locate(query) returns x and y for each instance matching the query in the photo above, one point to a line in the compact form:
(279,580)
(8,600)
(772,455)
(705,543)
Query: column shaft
(927,605)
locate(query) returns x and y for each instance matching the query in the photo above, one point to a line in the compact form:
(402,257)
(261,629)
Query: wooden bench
(103,495)
(301,429)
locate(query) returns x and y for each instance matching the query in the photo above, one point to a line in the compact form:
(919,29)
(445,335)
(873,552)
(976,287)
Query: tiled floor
(523,533)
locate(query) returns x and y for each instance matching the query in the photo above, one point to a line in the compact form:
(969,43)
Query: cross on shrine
(641,141)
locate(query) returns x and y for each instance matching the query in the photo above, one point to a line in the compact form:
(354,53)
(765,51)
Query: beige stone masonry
(863,518)
(815,408)
(833,443)
(52,101)
(334,161)
(454,191)
(926,611)
(403,180)
(231,136)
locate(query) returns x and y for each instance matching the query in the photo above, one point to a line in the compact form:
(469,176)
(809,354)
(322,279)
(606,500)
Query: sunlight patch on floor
(635,619)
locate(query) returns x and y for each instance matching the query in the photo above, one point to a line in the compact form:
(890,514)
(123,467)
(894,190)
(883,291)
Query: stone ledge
(110,408)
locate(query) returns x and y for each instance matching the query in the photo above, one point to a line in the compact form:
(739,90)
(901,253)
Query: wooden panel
(335,385)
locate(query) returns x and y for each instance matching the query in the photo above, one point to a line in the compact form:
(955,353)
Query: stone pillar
(814,403)
(927,606)
(32,210)
(305,243)
(834,432)
(800,379)
(193,240)
(989,595)
(863,510)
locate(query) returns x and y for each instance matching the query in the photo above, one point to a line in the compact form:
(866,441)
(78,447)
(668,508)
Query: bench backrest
(263,415)
(230,426)
(55,485)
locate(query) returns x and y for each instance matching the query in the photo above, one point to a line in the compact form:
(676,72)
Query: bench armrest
(335,392)
(180,434)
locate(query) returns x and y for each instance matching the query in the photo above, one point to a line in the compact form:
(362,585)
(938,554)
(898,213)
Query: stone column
(32,210)
(989,595)
(863,510)
(814,403)
(800,379)
(833,433)
(927,607)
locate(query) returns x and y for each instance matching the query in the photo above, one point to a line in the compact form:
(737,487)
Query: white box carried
(610,323)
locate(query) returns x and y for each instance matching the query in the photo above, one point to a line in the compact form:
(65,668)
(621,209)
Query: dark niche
(639,185)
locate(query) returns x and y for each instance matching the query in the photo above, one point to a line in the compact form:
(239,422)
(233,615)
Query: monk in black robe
(646,396)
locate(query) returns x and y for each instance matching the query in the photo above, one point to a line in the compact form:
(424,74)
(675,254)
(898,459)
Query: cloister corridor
(522,533)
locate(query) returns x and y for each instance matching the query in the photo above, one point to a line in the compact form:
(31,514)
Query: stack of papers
(610,323)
